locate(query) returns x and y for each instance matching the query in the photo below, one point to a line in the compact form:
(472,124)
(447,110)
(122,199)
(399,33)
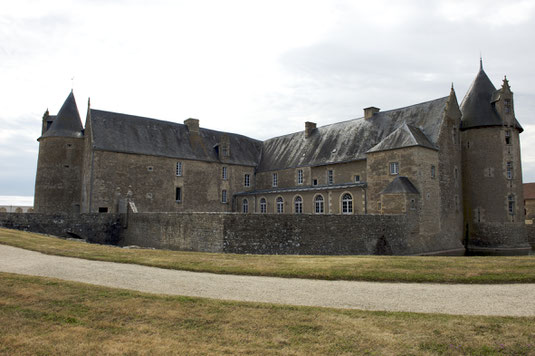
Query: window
(509,170)
(318,202)
(245,206)
(275,180)
(280,205)
(300,176)
(413,204)
(179,169)
(379,206)
(357,179)
(315,182)
(150,168)
(225,150)
(507,106)
(103,209)
(223,196)
(394,168)
(298,204)
(224,173)
(247,180)
(330,177)
(507,137)
(178,194)
(347,204)
(433,172)
(511,200)
(263,206)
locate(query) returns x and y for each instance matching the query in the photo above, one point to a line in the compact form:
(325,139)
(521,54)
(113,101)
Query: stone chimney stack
(309,128)
(192,124)
(369,112)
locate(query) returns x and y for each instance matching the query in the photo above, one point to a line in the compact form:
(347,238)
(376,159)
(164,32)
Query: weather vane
(72,83)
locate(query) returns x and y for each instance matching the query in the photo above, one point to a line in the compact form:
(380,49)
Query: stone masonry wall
(531,234)
(97,228)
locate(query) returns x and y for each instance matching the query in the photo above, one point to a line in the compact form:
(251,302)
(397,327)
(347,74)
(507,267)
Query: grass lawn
(42,316)
(515,269)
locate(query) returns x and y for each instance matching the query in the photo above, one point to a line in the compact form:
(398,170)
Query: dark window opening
(178,194)
(507,137)
(357,179)
(103,209)
(315,182)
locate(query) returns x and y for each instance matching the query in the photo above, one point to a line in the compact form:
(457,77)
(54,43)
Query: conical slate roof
(67,122)
(476,106)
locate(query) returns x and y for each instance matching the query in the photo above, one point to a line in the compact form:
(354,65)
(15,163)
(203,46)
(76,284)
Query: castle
(454,170)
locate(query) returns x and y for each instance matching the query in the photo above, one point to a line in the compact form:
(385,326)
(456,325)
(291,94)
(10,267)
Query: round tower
(59,164)
(492,169)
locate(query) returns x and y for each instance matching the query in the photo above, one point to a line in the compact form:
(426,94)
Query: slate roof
(403,136)
(350,140)
(529,191)
(140,135)
(67,122)
(477,107)
(400,185)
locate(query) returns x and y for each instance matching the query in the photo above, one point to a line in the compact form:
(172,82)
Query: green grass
(42,316)
(435,269)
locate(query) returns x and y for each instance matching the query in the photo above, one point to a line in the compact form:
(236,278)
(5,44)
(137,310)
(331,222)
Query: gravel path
(511,299)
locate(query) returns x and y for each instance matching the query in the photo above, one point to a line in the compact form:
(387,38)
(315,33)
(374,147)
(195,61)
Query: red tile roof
(529,191)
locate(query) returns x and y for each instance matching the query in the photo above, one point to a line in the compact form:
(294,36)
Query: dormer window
(507,106)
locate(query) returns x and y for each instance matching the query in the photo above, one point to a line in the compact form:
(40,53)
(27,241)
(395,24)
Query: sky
(257,68)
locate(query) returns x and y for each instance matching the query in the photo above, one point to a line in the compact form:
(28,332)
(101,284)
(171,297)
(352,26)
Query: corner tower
(491,166)
(59,164)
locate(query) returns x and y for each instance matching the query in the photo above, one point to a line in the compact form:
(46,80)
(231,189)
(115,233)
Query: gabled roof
(67,122)
(403,136)
(529,191)
(140,135)
(350,140)
(477,107)
(400,185)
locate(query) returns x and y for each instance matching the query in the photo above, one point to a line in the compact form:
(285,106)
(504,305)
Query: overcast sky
(257,68)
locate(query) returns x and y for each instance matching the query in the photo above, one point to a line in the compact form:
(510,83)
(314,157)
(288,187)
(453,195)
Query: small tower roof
(67,122)
(400,185)
(476,105)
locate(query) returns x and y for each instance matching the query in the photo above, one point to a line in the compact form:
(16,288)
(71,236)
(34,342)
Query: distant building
(457,169)
(529,200)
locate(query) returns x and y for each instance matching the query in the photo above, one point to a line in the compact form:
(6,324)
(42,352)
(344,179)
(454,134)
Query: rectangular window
(394,168)
(247,180)
(315,182)
(357,179)
(179,169)
(413,204)
(330,177)
(511,199)
(178,194)
(300,176)
(507,137)
(223,196)
(275,180)
(507,106)
(433,172)
(103,210)
(224,173)
(509,170)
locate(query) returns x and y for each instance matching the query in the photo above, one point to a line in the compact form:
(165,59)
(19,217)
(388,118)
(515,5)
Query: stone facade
(430,162)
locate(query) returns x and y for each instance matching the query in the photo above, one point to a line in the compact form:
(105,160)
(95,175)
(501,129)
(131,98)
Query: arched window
(245,206)
(347,204)
(298,204)
(280,205)
(263,206)
(318,202)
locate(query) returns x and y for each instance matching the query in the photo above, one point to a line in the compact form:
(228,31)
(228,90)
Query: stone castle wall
(239,233)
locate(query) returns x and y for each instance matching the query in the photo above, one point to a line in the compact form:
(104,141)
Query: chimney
(309,128)
(192,124)
(369,112)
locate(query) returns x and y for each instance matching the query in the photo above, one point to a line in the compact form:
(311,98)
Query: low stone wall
(531,233)
(97,228)
(498,235)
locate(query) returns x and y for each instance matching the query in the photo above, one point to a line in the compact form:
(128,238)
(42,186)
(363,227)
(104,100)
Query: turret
(59,165)
(492,170)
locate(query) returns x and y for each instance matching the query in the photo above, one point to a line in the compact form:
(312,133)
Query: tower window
(223,196)
(394,168)
(314,182)
(275,181)
(507,137)
(247,180)
(300,176)
(509,170)
(511,200)
(103,209)
(178,194)
(357,179)
(507,106)
(433,172)
(179,169)
(224,173)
